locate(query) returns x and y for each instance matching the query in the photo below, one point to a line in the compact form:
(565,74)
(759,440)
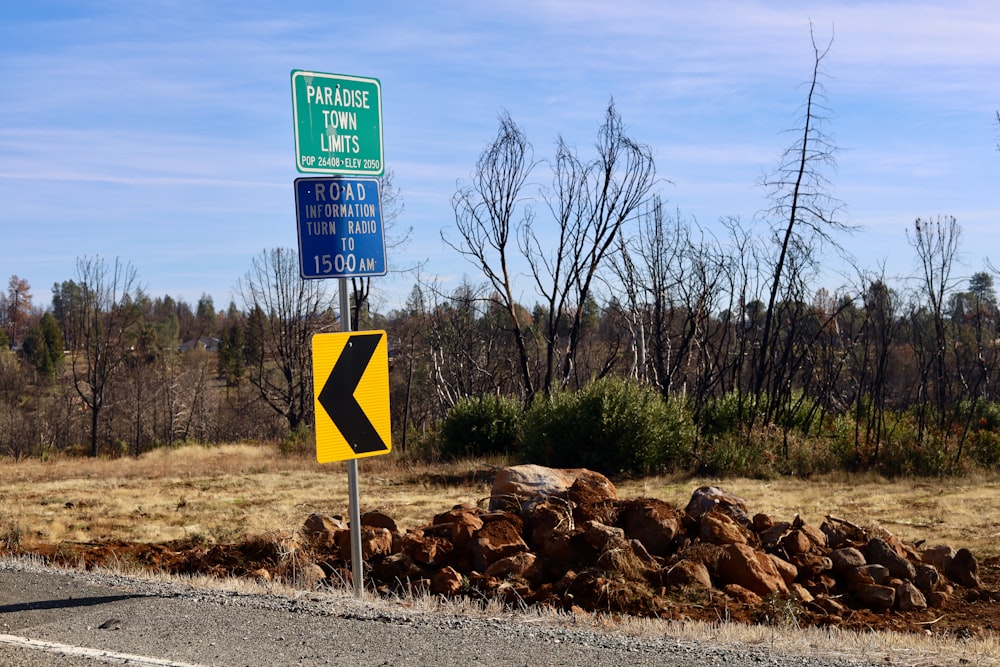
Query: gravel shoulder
(176,621)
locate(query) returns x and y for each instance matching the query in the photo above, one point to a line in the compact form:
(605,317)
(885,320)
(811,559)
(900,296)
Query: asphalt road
(54,617)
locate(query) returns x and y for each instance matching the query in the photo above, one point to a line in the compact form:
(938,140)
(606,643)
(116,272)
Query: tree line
(731,323)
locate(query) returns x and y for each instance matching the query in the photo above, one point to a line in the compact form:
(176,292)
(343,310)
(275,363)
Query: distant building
(207,343)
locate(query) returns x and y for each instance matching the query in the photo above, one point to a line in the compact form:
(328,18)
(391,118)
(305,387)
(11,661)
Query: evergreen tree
(43,347)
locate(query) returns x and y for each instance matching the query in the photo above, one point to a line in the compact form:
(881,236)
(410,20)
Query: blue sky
(160,131)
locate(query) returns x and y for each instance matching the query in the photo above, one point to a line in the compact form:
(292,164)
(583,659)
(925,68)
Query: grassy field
(219,494)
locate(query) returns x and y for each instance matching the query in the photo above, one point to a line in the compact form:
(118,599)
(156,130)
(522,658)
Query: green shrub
(731,455)
(300,442)
(984,435)
(721,416)
(482,426)
(611,426)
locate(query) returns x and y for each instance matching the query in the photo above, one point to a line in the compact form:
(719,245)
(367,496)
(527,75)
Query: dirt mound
(576,546)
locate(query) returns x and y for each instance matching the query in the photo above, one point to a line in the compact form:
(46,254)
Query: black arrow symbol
(337,397)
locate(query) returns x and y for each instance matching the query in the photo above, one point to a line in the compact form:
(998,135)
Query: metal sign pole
(354,496)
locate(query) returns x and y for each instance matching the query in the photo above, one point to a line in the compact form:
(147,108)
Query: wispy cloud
(181,111)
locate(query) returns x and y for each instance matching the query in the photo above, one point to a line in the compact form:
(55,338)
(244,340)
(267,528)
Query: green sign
(338,124)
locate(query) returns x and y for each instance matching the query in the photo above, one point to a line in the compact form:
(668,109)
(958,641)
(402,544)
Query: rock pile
(564,538)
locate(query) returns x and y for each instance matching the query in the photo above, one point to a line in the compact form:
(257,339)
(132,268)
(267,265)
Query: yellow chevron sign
(351,395)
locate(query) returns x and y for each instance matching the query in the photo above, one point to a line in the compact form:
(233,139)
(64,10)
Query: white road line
(99,654)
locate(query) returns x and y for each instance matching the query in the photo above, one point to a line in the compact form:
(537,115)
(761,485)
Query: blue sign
(340,227)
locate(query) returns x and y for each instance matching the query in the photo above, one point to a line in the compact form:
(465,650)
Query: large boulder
(514,485)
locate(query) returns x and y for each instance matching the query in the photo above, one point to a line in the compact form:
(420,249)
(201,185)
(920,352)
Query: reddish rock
(882,552)
(591,488)
(801,592)
(689,573)
(546,518)
(524,566)
(742,595)
(602,537)
(875,596)
(446,581)
(459,523)
(823,583)
(938,600)
(840,533)
(829,605)
(787,570)
(310,576)
(909,597)
(815,535)
(719,528)
(927,578)
(375,542)
(377,519)
(939,556)
(761,523)
(484,583)
(498,538)
(396,568)
(795,542)
(431,551)
(641,553)
(620,547)
(752,569)
(654,523)
(342,538)
(872,573)
(560,550)
(321,530)
(772,533)
(963,569)
(847,558)
(812,565)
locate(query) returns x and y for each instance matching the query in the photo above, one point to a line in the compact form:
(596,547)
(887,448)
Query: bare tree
(806,213)
(672,281)
(284,313)
(590,202)
(102,323)
(486,214)
(936,244)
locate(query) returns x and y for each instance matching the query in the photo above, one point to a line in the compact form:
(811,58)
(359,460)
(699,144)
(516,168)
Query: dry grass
(222,493)
(214,493)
